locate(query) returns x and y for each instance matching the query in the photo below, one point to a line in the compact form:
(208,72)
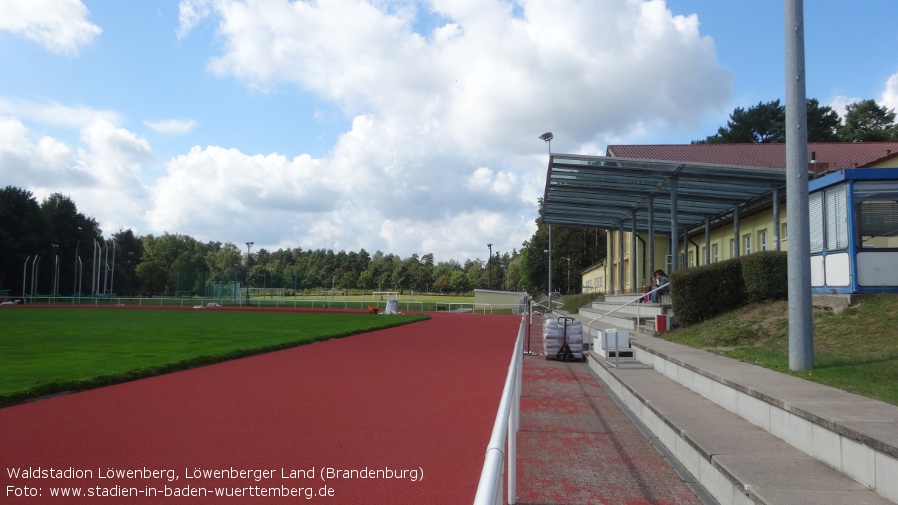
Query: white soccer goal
(385,295)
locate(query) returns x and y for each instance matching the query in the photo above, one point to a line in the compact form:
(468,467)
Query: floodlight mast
(489,265)
(248,246)
(547,137)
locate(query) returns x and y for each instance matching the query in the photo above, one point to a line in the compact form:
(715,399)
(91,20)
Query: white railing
(505,430)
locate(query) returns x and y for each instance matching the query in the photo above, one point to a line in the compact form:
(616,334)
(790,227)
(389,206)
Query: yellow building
(724,200)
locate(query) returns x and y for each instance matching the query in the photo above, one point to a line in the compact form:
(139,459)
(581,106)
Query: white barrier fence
(505,431)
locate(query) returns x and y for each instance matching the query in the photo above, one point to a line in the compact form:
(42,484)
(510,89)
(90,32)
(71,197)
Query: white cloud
(840,103)
(488,78)
(77,116)
(208,191)
(446,119)
(889,96)
(501,183)
(440,154)
(172,126)
(102,176)
(190,13)
(61,26)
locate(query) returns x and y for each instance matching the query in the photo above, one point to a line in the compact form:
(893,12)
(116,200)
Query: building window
(692,258)
(784,236)
(732,248)
(715,253)
(704,252)
(762,240)
(876,211)
(746,244)
(835,201)
(815,217)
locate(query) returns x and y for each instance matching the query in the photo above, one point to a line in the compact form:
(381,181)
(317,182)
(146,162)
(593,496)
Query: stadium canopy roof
(606,192)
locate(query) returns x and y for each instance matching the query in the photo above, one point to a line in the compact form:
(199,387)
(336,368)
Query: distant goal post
(385,295)
(266,292)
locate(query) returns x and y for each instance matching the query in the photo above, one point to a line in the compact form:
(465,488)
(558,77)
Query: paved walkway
(576,445)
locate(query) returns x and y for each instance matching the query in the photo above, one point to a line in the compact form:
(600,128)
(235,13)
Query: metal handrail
(489,490)
(589,325)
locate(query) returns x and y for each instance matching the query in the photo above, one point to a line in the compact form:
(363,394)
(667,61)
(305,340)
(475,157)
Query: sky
(409,127)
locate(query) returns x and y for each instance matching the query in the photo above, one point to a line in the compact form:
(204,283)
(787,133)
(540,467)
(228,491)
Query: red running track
(415,400)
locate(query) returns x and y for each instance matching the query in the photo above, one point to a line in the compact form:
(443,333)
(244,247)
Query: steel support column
(707,257)
(651,252)
(776,218)
(633,256)
(620,259)
(674,234)
(736,245)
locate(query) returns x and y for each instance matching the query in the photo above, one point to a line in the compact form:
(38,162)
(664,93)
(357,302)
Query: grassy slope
(856,350)
(44,351)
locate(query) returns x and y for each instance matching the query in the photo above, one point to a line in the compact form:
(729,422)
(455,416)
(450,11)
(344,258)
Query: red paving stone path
(576,446)
(418,397)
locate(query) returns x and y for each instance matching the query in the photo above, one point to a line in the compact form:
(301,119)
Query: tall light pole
(801,330)
(248,246)
(547,137)
(498,272)
(55,288)
(489,266)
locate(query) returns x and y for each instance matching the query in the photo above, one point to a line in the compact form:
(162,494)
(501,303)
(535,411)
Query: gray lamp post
(489,266)
(55,288)
(248,247)
(547,137)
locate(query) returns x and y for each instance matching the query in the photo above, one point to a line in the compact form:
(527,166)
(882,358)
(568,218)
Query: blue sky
(401,126)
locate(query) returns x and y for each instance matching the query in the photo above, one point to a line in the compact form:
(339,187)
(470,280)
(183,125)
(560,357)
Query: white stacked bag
(554,336)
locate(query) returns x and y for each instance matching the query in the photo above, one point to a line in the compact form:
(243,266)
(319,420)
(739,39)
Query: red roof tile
(829,155)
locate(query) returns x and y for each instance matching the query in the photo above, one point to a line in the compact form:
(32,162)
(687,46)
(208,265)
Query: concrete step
(735,460)
(643,309)
(616,320)
(622,299)
(752,435)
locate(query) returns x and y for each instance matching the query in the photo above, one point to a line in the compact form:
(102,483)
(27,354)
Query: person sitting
(659,278)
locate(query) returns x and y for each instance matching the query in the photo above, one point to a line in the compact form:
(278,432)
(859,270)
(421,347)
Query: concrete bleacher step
(643,309)
(625,317)
(753,435)
(618,320)
(736,461)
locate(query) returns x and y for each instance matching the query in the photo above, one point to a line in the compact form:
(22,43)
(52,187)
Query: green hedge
(766,276)
(701,293)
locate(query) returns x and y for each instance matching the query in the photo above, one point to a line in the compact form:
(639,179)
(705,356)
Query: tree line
(52,249)
(865,121)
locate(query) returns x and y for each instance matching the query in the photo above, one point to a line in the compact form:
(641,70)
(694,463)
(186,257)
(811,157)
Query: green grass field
(856,350)
(49,350)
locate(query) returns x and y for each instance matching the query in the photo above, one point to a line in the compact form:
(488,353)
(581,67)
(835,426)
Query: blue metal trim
(852,174)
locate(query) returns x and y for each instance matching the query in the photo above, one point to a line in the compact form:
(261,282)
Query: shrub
(766,276)
(702,293)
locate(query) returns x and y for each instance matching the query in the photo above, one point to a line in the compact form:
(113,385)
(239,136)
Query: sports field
(49,350)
